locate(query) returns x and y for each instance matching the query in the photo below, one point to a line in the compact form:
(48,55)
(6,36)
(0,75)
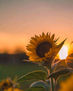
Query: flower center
(7,85)
(43,48)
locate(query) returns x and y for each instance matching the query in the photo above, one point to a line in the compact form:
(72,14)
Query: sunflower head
(12,89)
(43,48)
(5,84)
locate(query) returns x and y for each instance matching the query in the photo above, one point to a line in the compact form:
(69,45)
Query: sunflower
(43,47)
(67,85)
(12,89)
(5,84)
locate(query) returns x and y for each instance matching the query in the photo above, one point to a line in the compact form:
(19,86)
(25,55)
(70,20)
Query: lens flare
(63,53)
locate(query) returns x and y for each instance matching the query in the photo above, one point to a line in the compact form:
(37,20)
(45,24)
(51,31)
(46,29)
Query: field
(17,70)
(13,70)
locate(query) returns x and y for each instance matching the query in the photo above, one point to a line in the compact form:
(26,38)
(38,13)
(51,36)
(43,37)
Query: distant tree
(20,54)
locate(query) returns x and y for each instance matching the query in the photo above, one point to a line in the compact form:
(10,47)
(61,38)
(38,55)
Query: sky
(22,19)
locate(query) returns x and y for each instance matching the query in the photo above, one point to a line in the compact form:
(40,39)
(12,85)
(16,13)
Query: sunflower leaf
(60,72)
(61,44)
(59,65)
(71,55)
(70,63)
(36,89)
(41,84)
(35,75)
(69,60)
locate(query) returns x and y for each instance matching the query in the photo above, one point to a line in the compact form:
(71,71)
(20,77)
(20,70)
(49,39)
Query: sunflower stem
(52,83)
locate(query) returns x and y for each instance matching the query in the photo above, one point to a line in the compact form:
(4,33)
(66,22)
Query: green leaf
(35,75)
(70,63)
(61,44)
(63,78)
(40,84)
(69,60)
(60,72)
(36,89)
(60,64)
(48,82)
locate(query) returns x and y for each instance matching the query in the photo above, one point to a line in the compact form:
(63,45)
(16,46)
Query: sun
(63,53)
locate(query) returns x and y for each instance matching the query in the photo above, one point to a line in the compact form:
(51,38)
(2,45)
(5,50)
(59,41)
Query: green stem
(55,85)
(52,83)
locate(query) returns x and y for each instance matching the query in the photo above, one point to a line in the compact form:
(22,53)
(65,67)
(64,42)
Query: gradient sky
(21,19)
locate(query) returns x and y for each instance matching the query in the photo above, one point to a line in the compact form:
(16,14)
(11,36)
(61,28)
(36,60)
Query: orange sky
(21,19)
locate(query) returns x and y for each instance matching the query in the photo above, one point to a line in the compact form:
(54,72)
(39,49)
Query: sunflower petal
(53,36)
(43,34)
(56,39)
(36,36)
(49,35)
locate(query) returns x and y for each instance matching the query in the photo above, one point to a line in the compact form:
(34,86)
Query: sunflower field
(44,71)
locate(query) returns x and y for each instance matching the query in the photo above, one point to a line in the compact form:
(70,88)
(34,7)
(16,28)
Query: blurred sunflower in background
(5,84)
(43,47)
(11,89)
(8,85)
(67,85)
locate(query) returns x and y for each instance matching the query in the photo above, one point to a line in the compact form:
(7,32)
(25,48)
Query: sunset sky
(21,19)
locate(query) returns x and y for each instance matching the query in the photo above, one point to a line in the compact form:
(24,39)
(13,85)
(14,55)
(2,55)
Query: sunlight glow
(63,52)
